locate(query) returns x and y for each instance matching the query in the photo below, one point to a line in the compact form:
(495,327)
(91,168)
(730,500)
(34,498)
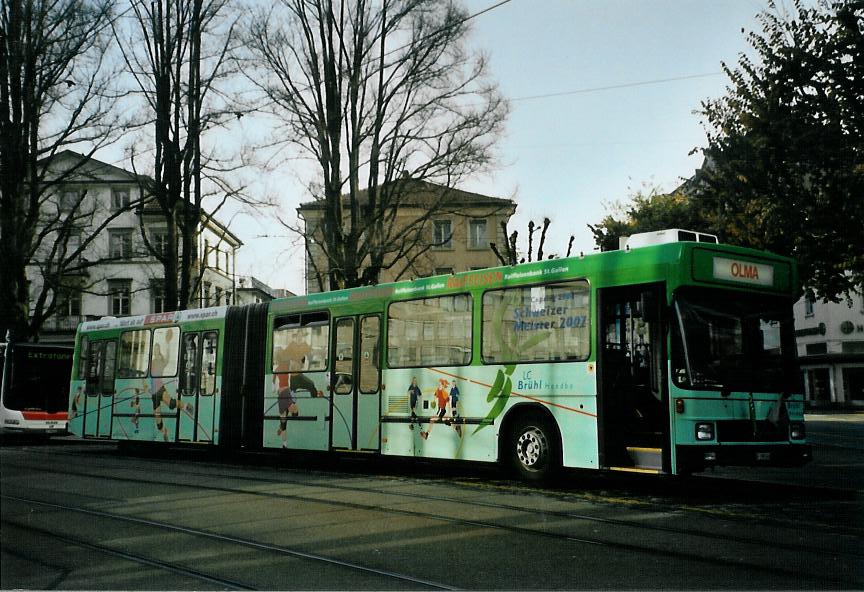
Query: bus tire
(532,447)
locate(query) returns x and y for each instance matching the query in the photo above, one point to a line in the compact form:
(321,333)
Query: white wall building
(251,290)
(830,339)
(120,276)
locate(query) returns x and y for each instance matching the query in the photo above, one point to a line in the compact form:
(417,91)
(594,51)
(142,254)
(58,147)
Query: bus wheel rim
(532,447)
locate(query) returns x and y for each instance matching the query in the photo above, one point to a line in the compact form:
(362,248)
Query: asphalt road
(79,515)
(838,456)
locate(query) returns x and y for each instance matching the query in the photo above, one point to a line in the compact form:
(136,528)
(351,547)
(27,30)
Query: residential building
(251,290)
(119,275)
(453,229)
(830,338)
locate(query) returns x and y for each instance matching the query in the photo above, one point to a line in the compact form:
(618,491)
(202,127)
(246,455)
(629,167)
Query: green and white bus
(668,356)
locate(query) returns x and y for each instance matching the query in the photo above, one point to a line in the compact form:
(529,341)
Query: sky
(567,157)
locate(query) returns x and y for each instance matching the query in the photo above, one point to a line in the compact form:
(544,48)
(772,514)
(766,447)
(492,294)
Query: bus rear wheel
(533,448)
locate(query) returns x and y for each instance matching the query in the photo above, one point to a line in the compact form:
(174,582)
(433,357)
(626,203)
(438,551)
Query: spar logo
(747,272)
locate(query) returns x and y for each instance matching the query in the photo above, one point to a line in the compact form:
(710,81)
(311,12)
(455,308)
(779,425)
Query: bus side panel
(471,430)
(134,415)
(303,425)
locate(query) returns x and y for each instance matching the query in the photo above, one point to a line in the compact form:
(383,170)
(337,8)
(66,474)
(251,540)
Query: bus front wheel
(533,447)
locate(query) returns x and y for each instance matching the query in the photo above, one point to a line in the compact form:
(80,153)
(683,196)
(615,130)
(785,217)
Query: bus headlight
(797,431)
(705,431)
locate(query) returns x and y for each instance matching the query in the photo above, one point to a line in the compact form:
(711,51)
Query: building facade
(251,290)
(450,232)
(116,273)
(830,339)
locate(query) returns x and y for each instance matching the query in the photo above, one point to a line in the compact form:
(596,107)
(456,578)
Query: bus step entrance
(646,458)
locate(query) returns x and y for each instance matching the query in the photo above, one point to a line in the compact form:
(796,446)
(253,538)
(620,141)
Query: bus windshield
(38,379)
(733,342)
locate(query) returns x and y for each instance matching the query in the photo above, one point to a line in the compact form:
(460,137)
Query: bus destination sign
(733,270)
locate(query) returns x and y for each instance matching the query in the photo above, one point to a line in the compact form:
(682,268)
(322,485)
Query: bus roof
(709,264)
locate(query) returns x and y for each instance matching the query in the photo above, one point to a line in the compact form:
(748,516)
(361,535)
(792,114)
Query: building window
(119,297)
(120,243)
(218,296)
(809,302)
(477,234)
(159,242)
(205,294)
(157,296)
(853,347)
(443,270)
(815,349)
(819,384)
(68,303)
(68,200)
(443,234)
(120,199)
(853,383)
(73,243)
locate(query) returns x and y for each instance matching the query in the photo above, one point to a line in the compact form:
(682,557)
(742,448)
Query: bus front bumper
(697,458)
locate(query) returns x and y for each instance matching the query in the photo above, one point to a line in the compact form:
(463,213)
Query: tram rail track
(627,547)
(773,522)
(173,568)
(176,528)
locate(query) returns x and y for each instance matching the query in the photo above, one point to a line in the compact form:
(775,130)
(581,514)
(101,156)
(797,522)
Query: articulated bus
(658,358)
(34,388)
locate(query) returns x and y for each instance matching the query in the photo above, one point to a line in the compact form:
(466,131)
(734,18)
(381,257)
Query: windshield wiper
(684,346)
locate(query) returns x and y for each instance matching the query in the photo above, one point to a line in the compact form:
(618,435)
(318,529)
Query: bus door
(99,388)
(633,398)
(355,388)
(197,388)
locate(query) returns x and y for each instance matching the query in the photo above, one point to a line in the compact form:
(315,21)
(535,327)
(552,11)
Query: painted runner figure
(441,397)
(454,411)
(415,394)
(288,401)
(289,362)
(163,397)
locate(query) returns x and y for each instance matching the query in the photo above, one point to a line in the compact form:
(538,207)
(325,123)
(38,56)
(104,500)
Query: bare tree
(510,256)
(176,52)
(55,92)
(382,94)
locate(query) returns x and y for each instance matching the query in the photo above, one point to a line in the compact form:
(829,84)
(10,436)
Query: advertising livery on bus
(668,356)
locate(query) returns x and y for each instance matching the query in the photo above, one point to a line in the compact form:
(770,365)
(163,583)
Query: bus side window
(166,349)
(208,362)
(108,368)
(134,353)
(370,373)
(84,352)
(93,371)
(189,372)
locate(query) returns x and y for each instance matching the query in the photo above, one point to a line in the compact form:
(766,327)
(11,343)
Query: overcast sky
(565,156)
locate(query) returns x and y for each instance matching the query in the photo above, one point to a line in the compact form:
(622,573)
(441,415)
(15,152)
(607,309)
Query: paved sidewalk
(850,417)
